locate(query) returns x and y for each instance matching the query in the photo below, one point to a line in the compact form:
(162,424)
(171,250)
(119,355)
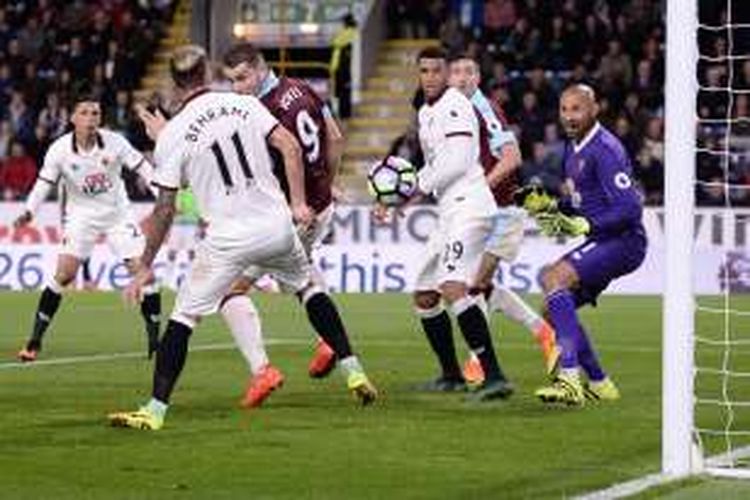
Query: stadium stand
(528,52)
(50,47)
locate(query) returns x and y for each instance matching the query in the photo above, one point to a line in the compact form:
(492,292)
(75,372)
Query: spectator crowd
(530,50)
(51,48)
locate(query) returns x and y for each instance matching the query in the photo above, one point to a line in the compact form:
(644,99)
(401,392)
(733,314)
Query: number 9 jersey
(217,144)
(302,112)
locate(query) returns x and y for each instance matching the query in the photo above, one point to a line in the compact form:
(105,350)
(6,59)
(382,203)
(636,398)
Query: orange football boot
(323,361)
(262,385)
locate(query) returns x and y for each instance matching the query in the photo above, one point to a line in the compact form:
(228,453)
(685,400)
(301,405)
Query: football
(392,181)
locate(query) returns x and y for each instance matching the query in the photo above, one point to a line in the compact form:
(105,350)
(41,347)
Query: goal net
(706,379)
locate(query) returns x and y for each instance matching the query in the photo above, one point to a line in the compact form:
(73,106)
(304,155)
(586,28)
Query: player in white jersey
(449,136)
(89,162)
(218,145)
(501,160)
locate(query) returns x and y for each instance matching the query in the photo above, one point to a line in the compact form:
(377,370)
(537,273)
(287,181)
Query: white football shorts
(454,251)
(123,236)
(215,267)
(504,241)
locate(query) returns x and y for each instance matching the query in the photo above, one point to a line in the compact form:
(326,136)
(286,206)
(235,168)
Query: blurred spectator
(615,69)
(711,193)
(650,161)
(119,116)
(624,130)
(53,117)
(15,60)
(39,145)
(6,136)
(531,120)
(17,173)
(542,167)
(20,116)
(499,17)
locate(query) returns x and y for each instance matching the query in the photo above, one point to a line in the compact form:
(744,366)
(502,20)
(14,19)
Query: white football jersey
(92,179)
(453,115)
(216,144)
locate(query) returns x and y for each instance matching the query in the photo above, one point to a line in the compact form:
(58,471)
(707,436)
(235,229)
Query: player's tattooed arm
(160,222)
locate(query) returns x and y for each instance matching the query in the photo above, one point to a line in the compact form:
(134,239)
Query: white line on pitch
(92,358)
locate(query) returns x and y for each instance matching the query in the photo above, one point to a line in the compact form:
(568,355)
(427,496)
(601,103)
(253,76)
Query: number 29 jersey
(302,112)
(217,145)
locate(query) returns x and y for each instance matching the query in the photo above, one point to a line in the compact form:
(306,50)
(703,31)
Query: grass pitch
(310,440)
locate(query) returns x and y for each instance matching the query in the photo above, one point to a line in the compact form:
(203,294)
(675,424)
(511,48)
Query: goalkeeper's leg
(558,281)
(49,302)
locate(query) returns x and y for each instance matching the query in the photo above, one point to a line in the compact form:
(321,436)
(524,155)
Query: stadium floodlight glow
(238,30)
(309,28)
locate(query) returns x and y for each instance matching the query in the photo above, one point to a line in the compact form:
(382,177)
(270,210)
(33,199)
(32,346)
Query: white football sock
(170,276)
(244,322)
(350,365)
(508,302)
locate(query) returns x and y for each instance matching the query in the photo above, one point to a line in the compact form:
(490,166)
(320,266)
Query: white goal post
(679,195)
(683,450)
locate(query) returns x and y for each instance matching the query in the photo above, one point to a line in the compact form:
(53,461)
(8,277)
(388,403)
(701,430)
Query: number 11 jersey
(217,144)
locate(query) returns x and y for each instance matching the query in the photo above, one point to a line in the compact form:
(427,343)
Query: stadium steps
(383,113)
(156,78)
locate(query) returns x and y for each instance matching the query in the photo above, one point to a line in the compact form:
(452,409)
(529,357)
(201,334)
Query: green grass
(310,440)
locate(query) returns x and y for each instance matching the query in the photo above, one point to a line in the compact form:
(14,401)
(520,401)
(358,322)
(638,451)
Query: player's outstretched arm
(36,197)
(291,151)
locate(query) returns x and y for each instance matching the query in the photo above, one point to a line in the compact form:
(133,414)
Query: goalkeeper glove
(556,224)
(535,200)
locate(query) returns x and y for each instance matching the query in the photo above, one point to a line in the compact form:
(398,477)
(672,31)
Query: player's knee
(486,270)
(553,278)
(66,273)
(454,290)
(240,286)
(63,279)
(189,320)
(309,291)
(425,300)
(132,265)
(558,276)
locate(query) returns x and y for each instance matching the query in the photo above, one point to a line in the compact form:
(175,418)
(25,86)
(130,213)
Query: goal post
(678,302)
